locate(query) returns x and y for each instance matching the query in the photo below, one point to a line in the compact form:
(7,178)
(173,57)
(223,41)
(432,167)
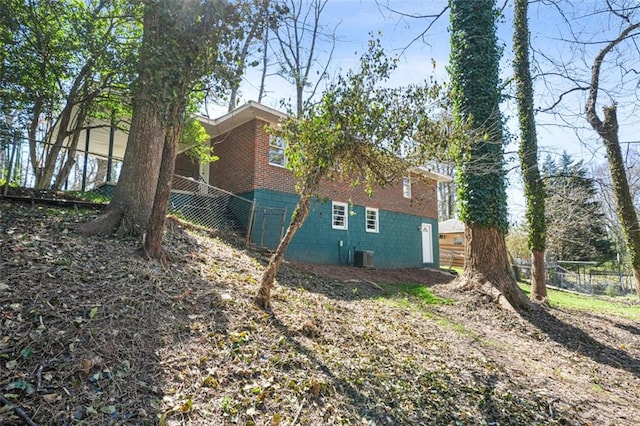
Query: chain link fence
(192,200)
(609,283)
(205,205)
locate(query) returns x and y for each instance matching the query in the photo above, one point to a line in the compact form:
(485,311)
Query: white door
(427,243)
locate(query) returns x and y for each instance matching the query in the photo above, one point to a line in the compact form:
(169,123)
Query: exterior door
(427,243)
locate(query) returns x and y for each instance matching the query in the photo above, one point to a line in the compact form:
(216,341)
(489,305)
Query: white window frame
(344,215)
(376,221)
(273,146)
(406,187)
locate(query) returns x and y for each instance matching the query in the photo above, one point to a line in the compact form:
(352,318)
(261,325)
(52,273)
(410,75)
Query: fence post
(112,136)
(282,222)
(252,214)
(86,159)
(10,171)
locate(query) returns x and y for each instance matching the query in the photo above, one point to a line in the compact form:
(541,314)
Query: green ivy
(474,70)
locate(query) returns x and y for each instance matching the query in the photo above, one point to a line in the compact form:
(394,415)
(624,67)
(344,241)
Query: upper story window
(339,219)
(371,219)
(277,155)
(406,187)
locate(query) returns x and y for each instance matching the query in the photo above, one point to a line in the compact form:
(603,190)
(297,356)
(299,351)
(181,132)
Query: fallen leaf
(51,397)
(86,365)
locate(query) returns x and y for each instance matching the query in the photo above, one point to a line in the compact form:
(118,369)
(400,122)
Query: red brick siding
(423,201)
(185,166)
(268,176)
(234,170)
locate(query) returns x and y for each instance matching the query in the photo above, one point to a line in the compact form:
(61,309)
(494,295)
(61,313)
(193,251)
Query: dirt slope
(92,334)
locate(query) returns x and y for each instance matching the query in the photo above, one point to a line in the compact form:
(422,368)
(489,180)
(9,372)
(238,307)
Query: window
(277,155)
(339,216)
(406,187)
(371,219)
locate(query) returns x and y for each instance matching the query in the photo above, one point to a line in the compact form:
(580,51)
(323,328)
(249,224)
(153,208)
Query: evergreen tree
(574,213)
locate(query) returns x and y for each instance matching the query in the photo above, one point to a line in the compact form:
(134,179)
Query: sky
(355,20)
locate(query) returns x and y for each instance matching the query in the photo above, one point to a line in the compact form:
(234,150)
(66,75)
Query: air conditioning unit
(363,258)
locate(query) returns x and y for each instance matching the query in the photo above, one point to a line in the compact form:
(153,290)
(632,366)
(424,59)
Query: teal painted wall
(398,244)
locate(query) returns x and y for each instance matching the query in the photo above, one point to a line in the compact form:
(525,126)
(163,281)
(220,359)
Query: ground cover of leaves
(93,334)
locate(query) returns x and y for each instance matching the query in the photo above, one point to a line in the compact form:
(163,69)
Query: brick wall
(423,200)
(185,166)
(243,167)
(269,176)
(234,170)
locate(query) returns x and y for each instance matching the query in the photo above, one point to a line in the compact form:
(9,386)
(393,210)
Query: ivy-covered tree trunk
(481,174)
(528,152)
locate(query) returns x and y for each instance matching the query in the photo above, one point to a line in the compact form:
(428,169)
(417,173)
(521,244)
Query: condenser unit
(363,258)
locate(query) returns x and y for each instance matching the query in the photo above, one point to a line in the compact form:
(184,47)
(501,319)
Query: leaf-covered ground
(92,334)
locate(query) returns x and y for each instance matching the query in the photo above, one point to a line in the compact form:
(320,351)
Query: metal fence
(89,169)
(197,202)
(192,200)
(610,283)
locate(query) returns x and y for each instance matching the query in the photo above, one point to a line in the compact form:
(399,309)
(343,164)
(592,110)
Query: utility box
(363,258)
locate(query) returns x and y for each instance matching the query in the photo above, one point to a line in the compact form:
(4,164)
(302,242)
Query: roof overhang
(438,177)
(451,226)
(239,116)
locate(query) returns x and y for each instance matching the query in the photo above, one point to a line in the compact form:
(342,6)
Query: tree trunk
(44,180)
(139,175)
(155,231)
(263,298)
(32,133)
(265,58)
(528,153)
(66,125)
(608,131)
(538,277)
(101,172)
(130,209)
(487,267)
(65,170)
(622,193)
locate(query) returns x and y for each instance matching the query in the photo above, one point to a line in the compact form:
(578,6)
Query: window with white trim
(371,219)
(277,154)
(406,187)
(339,219)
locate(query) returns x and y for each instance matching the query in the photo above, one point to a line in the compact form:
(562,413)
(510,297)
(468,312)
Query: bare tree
(607,128)
(299,36)
(256,28)
(601,62)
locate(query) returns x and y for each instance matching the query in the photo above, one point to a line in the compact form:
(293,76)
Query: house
(452,243)
(393,228)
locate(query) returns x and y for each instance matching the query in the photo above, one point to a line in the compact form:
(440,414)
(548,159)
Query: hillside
(92,334)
